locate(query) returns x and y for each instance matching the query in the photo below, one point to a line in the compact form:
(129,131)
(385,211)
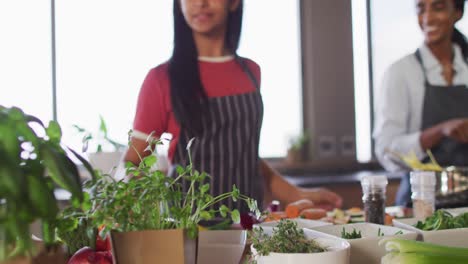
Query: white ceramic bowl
(223,246)
(337,251)
(367,249)
(457,237)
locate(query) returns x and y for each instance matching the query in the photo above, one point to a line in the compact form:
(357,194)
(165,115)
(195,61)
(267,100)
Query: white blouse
(399,103)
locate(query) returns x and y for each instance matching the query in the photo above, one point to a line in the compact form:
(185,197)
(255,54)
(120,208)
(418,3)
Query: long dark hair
(457,36)
(187,92)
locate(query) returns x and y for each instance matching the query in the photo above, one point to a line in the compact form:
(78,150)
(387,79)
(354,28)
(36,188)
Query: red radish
(87,255)
(102,245)
(247,220)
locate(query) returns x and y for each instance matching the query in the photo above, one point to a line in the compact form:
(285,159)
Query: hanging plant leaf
(86,164)
(54,132)
(61,171)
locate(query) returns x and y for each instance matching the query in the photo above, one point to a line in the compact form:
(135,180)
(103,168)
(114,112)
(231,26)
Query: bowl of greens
(286,243)
(442,228)
(364,238)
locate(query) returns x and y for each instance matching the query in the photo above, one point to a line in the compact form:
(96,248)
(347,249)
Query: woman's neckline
(216,59)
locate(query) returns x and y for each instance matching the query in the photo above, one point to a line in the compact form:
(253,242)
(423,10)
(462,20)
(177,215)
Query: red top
(154,109)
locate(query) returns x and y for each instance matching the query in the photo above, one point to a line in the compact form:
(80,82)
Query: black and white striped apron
(227,149)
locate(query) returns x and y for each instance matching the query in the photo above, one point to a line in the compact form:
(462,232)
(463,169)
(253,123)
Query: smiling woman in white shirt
(423,101)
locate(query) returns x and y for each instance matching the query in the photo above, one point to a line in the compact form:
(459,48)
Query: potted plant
(104,160)
(296,150)
(32,163)
(150,218)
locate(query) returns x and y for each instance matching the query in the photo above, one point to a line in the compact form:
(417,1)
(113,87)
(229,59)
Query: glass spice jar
(423,193)
(374,198)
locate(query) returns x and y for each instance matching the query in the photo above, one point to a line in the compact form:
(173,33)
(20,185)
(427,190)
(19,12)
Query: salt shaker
(423,193)
(374,197)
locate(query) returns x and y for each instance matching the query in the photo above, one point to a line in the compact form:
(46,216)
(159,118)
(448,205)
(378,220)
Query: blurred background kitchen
(321,61)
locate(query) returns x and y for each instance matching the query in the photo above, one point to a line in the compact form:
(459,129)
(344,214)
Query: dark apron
(441,103)
(227,149)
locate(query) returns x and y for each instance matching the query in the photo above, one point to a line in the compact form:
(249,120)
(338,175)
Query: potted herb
(32,163)
(108,152)
(286,243)
(296,150)
(151,218)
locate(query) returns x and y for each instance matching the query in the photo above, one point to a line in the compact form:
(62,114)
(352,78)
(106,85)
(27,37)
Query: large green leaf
(10,180)
(85,163)
(41,197)
(62,170)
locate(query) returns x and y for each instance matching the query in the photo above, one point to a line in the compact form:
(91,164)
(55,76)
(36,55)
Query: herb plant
(150,200)
(352,235)
(286,238)
(32,163)
(100,138)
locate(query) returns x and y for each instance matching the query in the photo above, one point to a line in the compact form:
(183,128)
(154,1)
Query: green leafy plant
(297,142)
(351,235)
(441,220)
(286,238)
(151,200)
(75,228)
(31,165)
(101,137)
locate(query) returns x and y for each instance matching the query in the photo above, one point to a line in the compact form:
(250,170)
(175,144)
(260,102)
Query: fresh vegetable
(313,213)
(102,244)
(275,216)
(286,238)
(414,252)
(294,209)
(352,235)
(441,220)
(247,220)
(415,258)
(413,162)
(87,255)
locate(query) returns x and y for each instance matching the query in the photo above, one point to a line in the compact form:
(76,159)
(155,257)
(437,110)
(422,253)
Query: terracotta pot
(294,156)
(153,246)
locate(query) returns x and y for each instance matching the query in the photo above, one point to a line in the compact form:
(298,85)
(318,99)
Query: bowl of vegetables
(364,238)
(286,243)
(442,228)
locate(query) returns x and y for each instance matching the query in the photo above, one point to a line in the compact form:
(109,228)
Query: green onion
(419,258)
(411,246)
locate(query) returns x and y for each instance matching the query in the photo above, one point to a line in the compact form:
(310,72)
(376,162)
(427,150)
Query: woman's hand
(456,129)
(322,198)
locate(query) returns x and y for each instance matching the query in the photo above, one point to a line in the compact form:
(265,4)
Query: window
(361,81)
(275,45)
(25,57)
(104,51)
(105,48)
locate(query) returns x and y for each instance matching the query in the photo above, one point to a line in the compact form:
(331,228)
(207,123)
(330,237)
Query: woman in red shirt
(207,92)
